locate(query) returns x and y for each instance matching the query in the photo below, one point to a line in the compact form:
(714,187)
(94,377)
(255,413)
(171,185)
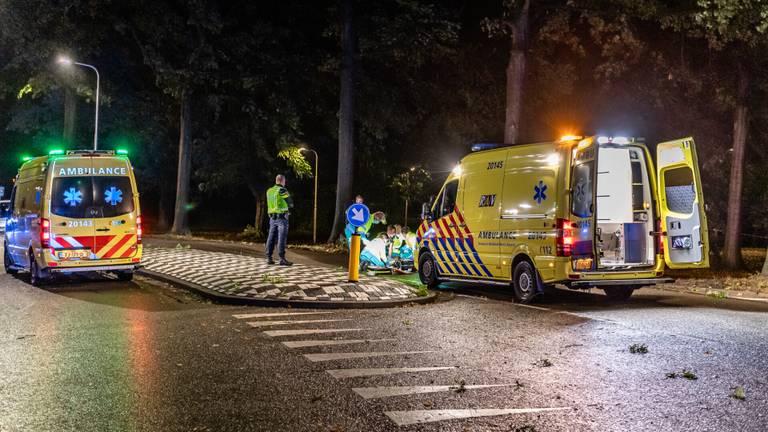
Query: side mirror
(426,213)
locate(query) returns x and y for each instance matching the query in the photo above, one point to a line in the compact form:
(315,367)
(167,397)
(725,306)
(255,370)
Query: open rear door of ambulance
(683,220)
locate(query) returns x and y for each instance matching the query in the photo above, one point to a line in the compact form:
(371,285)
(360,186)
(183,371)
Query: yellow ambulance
(580,212)
(74,211)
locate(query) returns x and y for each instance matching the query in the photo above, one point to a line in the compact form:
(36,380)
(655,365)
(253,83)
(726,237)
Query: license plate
(681,242)
(583,264)
(74,254)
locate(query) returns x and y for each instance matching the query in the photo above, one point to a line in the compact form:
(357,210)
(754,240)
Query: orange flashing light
(570,138)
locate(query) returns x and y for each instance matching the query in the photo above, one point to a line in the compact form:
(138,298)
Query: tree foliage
(265,76)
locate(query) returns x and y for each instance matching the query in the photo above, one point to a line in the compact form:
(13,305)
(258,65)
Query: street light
(66,61)
(314,210)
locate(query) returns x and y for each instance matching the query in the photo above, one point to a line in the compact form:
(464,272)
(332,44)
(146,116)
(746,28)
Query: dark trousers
(278,234)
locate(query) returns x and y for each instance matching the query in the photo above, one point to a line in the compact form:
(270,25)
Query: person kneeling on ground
(374,256)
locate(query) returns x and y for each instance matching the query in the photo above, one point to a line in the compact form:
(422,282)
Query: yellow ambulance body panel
(579,212)
(73,212)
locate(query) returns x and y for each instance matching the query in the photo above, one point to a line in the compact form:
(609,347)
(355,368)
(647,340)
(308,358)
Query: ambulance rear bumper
(93,268)
(613,282)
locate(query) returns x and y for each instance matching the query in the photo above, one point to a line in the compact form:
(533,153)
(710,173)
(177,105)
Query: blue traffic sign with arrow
(358,214)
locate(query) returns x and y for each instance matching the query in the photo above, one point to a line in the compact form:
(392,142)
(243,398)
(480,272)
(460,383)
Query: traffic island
(242,279)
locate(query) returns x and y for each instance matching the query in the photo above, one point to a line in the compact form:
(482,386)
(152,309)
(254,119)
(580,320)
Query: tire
(8,263)
(619,293)
(37,277)
(524,282)
(125,276)
(428,271)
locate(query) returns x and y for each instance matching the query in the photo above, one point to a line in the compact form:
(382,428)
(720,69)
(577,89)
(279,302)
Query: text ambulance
(74,212)
(584,213)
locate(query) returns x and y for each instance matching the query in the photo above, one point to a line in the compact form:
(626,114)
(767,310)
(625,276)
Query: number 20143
(75,224)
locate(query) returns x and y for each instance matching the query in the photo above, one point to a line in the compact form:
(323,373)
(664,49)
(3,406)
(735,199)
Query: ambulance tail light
(564,238)
(45,232)
(139,229)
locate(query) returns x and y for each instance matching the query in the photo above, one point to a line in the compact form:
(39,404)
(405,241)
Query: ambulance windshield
(91,197)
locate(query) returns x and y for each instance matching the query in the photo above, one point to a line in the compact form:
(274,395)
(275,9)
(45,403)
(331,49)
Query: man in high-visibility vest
(279,203)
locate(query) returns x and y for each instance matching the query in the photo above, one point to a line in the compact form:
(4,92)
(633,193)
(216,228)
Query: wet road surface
(93,354)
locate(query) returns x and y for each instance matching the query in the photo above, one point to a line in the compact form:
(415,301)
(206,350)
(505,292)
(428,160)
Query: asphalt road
(93,354)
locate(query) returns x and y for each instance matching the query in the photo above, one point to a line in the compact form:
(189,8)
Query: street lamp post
(66,61)
(314,209)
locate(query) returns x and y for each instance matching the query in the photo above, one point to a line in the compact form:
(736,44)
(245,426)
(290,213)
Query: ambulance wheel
(8,264)
(37,276)
(524,282)
(619,293)
(124,275)
(428,271)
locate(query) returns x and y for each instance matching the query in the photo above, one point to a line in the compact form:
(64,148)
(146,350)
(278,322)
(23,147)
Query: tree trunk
(346,119)
(70,116)
(405,219)
(258,219)
(765,265)
(516,75)
(163,213)
(732,250)
(181,212)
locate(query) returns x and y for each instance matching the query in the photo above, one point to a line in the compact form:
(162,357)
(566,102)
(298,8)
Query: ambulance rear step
(609,282)
(92,269)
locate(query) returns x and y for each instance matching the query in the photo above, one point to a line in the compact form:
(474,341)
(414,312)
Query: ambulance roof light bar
(486,146)
(570,138)
(90,152)
(614,140)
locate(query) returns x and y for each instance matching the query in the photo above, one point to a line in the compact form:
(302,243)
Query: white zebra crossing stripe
(278,333)
(356,373)
(315,343)
(405,418)
(276,323)
(356,355)
(382,392)
(277,314)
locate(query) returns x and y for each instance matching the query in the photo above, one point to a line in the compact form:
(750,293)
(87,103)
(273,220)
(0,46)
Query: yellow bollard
(354,258)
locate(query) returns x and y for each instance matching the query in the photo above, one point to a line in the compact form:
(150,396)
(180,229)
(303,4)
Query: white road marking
(274,323)
(356,355)
(355,373)
(276,333)
(404,418)
(382,392)
(314,343)
(532,307)
(267,315)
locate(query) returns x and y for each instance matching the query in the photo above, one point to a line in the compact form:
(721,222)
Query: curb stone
(314,304)
(730,295)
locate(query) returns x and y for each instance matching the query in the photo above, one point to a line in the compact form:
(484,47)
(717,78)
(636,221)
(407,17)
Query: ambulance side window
(680,190)
(13,206)
(448,203)
(582,189)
